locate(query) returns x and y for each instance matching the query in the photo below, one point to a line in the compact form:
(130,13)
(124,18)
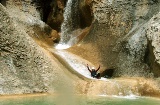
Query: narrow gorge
(46,45)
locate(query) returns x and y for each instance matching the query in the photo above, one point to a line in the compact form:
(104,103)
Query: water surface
(78,100)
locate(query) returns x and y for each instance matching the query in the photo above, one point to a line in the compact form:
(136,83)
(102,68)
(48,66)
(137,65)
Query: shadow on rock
(108,73)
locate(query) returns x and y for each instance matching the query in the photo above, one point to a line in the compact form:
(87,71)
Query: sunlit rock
(113,33)
(25,66)
(117,36)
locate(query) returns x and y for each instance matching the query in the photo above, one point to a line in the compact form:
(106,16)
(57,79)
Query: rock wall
(117,39)
(25,66)
(37,8)
(50,11)
(133,56)
(55,17)
(35,28)
(27,6)
(153,36)
(117,36)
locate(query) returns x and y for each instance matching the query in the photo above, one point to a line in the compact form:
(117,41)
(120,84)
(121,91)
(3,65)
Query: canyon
(123,35)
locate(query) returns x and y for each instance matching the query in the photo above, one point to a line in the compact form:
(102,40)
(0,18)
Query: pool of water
(78,100)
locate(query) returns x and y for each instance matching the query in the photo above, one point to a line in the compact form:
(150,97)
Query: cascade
(77,65)
(104,86)
(70,23)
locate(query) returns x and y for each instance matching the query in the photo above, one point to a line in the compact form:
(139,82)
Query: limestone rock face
(27,6)
(117,36)
(25,66)
(55,17)
(34,27)
(86,15)
(37,8)
(153,36)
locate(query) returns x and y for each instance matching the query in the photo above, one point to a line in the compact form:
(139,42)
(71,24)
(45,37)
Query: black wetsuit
(94,72)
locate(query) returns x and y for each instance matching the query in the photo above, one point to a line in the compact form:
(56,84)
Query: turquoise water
(80,100)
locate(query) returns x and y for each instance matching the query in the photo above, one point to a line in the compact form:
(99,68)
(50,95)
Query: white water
(131,96)
(79,66)
(70,23)
(68,38)
(65,28)
(62,46)
(77,63)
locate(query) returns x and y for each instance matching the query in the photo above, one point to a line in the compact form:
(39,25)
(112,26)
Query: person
(93,72)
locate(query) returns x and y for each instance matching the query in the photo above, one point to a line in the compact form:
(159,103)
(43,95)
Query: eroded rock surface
(28,6)
(25,66)
(117,36)
(120,37)
(153,36)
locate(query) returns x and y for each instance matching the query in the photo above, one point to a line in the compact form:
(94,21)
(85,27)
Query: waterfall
(70,23)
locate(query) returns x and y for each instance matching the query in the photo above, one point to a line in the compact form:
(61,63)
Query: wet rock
(55,17)
(117,36)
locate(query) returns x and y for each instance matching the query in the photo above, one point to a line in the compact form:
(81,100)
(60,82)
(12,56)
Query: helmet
(93,68)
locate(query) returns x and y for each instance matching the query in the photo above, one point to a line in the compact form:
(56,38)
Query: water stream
(77,65)
(70,23)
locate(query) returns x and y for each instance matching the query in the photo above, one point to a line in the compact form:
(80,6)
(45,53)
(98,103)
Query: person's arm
(88,68)
(98,68)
